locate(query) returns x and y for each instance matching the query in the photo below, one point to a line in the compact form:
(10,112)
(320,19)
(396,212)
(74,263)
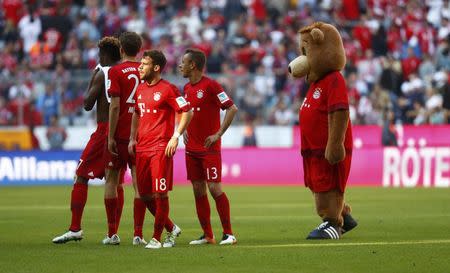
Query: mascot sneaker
(349,223)
(324,231)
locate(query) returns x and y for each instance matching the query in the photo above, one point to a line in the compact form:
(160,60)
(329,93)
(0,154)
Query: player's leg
(223,209)
(120,197)
(139,209)
(162,183)
(111,203)
(77,202)
(91,165)
(213,166)
(196,175)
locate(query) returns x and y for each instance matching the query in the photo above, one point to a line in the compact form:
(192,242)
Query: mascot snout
(299,67)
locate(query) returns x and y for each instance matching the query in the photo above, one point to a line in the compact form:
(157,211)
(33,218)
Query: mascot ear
(317,35)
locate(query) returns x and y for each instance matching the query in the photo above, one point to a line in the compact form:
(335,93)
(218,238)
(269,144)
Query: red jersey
(324,96)
(206,97)
(156,106)
(123,82)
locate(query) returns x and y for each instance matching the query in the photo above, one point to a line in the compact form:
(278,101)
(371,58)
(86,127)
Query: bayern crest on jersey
(157,96)
(317,93)
(200,94)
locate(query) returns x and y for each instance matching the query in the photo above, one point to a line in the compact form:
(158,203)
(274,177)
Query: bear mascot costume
(325,128)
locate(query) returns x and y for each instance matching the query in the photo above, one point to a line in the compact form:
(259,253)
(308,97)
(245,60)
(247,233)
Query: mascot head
(322,52)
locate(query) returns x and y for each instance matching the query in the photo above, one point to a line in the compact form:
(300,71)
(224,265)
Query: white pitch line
(312,245)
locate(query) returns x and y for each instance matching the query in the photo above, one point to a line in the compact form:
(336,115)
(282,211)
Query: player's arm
(133,133)
(229,116)
(114,110)
(94,89)
(185,119)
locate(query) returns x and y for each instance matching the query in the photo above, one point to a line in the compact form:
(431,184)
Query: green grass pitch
(400,230)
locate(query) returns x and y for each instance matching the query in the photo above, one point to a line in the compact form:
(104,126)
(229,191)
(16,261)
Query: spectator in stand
(389,134)
(30,27)
(49,103)
(56,134)
(410,64)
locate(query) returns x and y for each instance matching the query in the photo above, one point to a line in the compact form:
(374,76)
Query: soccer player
(124,80)
(154,141)
(91,164)
(203,145)
(122,84)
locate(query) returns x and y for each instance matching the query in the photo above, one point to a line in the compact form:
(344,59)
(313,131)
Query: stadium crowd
(398,54)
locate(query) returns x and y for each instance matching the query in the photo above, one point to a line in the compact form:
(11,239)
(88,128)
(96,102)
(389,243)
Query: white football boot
(139,241)
(68,236)
(203,240)
(228,239)
(171,236)
(113,240)
(153,244)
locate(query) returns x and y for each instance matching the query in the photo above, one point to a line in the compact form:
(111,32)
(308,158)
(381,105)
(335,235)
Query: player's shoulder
(168,84)
(209,80)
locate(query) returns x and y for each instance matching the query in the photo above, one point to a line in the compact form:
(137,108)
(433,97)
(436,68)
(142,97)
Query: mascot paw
(349,223)
(324,231)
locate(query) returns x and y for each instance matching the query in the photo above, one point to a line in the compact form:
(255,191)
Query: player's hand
(132,147)
(112,147)
(211,140)
(171,146)
(335,153)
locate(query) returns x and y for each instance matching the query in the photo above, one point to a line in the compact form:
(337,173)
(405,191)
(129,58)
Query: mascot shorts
(321,176)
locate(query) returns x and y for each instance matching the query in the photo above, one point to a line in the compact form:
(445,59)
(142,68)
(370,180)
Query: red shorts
(92,164)
(154,172)
(121,160)
(204,167)
(321,176)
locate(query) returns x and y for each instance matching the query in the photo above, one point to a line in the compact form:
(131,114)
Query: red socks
(139,215)
(204,214)
(111,213)
(162,214)
(119,205)
(77,203)
(223,208)
(151,205)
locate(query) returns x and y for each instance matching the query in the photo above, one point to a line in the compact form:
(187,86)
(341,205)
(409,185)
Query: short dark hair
(130,42)
(111,47)
(197,56)
(157,57)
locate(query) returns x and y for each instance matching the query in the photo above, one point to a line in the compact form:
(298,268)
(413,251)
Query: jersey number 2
(136,83)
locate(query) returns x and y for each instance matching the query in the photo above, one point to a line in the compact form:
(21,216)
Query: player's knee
(81,180)
(146,198)
(199,188)
(215,189)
